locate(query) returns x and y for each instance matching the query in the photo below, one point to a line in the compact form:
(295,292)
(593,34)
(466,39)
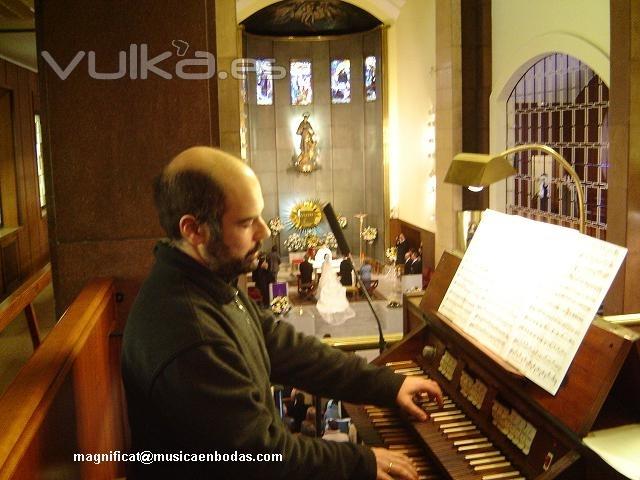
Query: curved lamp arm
(566,165)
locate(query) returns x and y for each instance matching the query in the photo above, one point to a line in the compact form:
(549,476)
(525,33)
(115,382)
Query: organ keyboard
(494,424)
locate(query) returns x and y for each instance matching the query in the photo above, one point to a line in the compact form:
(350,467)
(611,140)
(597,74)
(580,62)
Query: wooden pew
(67,398)
(22,301)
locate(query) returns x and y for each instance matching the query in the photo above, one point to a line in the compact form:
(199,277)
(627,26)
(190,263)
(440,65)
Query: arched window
(562,103)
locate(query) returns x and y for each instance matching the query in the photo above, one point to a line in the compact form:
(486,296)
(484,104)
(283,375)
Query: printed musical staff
(529,291)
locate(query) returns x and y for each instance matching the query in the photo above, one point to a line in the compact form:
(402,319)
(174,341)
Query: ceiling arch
(386,11)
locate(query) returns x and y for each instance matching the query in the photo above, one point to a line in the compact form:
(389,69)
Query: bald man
(199,357)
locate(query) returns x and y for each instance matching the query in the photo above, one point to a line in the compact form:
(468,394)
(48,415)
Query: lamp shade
(478,169)
(481,170)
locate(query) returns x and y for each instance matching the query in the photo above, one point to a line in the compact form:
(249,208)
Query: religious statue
(543,192)
(543,186)
(307,159)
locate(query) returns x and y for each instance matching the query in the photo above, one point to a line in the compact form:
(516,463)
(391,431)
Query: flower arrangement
(294,243)
(369,234)
(280,305)
(391,253)
(342,221)
(311,240)
(276,226)
(330,240)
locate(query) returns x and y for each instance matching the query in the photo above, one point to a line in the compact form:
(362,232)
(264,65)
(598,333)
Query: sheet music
(619,447)
(529,291)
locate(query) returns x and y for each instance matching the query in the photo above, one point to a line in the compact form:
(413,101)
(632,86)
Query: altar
(296,258)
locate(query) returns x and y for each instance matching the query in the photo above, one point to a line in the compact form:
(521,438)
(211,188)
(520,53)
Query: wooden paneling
(105,140)
(428,241)
(32,242)
(416,236)
(28,203)
(7,162)
(624,169)
(10,265)
(21,301)
(394,230)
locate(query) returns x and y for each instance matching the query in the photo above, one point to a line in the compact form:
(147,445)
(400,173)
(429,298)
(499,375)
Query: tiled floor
(388,284)
(307,319)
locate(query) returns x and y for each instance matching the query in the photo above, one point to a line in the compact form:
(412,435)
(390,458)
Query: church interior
(385,109)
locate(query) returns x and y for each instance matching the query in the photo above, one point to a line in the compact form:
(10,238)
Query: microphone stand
(382,344)
(346,251)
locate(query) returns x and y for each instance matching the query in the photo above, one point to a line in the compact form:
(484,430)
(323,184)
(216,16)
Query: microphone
(336,229)
(343,246)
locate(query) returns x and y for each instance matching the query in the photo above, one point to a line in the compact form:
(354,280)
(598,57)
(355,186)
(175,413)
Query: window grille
(562,103)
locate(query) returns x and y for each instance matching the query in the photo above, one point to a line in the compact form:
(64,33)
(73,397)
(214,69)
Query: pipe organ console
(495,424)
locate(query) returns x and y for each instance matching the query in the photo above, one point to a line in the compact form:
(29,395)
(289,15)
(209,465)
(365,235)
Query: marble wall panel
(349,136)
(106,140)
(263,161)
(271,208)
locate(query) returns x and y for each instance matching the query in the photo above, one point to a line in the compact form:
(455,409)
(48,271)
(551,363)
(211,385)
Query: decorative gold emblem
(306,215)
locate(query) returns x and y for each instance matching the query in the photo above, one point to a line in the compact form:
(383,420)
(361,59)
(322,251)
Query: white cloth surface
(335,436)
(332,297)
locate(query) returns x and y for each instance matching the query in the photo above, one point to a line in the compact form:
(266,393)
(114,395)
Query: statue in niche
(306,161)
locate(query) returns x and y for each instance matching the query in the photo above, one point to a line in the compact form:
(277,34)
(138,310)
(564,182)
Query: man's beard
(229,268)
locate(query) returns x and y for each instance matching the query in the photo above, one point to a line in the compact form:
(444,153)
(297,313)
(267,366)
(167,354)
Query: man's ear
(192,232)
